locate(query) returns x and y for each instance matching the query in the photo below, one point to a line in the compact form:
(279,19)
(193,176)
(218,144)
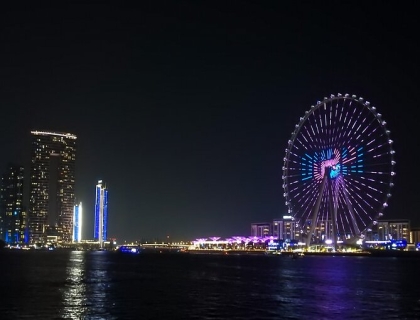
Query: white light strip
(58,134)
(79,236)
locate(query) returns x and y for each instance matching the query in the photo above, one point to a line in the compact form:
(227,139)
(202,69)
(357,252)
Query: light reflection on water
(98,300)
(74,296)
(87,285)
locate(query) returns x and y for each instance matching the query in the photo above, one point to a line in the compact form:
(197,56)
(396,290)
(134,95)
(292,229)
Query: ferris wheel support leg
(316,210)
(333,212)
(350,208)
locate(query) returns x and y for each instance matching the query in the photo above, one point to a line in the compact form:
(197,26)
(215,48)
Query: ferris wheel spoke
(363,127)
(342,206)
(320,125)
(306,205)
(310,143)
(375,149)
(361,213)
(367,182)
(350,123)
(350,128)
(377,172)
(349,207)
(315,139)
(313,131)
(313,136)
(305,195)
(384,154)
(361,202)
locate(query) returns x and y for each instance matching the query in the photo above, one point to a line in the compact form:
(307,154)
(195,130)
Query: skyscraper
(12,214)
(101,213)
(77,222)
(52,186)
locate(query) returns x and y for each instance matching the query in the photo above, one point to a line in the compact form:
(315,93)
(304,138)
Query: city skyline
(186,109)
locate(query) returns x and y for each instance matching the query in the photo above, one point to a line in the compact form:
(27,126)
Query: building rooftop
(50,133)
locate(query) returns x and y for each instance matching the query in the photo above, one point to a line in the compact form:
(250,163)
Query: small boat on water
(273,252)
(296,255)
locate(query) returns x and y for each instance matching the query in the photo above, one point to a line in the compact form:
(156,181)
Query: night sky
(184,108)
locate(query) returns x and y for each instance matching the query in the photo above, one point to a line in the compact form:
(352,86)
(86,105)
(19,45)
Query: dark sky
(185,108)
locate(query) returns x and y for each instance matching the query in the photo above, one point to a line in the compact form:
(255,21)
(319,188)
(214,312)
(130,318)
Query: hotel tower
(52,186)
(77,222)
(12,214)
(101,213)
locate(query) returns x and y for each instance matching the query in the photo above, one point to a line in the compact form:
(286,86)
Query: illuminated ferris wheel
(338,169)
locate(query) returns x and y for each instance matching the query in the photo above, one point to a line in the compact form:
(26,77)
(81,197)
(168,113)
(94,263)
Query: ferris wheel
(338,169)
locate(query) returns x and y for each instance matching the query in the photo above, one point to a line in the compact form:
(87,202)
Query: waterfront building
(13,218)
(414,235)
(323,231)
(101,213)
(386,230)
(393,229)
(261,229)
(52,182)
(284,229)
(77,222)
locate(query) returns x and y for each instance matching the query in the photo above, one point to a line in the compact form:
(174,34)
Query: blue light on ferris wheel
(335,171)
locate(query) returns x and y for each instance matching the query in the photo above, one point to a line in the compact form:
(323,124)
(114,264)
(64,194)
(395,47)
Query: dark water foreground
(104,285)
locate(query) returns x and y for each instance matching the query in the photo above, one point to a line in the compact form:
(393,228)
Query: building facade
(285,229)
(52,182)
(13,218)
(77,222)
(262,229)
(386,230)
(414,235)
(101,213)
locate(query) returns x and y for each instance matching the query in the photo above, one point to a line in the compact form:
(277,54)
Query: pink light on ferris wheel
(319,167)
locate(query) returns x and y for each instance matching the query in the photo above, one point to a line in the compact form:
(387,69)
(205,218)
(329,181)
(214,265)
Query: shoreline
(366,253)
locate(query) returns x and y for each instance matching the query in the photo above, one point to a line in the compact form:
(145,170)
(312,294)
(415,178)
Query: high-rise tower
(101,213)
(13,217)
(52,186)
(77,222)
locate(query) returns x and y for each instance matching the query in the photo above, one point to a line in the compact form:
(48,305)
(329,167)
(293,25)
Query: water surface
(106,285)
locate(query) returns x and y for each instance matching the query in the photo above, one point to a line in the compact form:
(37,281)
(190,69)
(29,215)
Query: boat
(296,255)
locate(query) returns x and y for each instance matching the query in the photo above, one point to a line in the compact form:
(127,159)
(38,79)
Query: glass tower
(12,214)
(101,213)
(52,186)
(77,222)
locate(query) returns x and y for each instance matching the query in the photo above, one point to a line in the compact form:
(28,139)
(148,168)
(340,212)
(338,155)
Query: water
(105,285)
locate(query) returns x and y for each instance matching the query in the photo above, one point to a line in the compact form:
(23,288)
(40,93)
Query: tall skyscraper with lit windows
(52,181)
(77,222)
(13,218)
(101,213)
